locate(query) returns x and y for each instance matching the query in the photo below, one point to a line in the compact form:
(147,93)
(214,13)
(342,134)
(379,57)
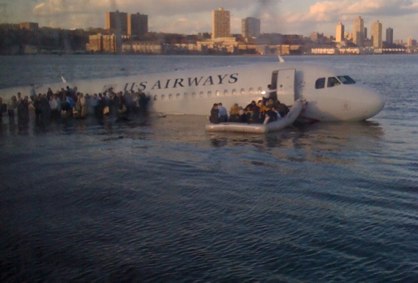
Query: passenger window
(225,92)
(320,83)
(234,92)
(332,81)
(242,91)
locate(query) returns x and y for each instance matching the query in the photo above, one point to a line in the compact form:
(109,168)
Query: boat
(254,128)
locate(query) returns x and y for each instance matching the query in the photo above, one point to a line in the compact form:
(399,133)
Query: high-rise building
(358,31)
(339,33)
(137,25)
(221,23)
(389,36)
(116,22)
(377,34)
(250,27)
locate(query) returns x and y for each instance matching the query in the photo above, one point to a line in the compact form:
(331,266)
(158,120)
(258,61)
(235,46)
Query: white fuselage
(195,91)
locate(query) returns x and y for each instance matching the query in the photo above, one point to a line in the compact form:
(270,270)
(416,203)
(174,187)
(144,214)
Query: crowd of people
(265,110)
(70,103)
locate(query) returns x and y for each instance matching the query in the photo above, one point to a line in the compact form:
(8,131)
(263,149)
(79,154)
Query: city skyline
(297,17)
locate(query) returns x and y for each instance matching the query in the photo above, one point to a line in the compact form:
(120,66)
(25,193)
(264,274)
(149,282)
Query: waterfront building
(111,44)
(377,35)
(221,23)
(250,27)
(411,42)
(339,33)
(116,22)
(389,36)
(29,26)
(95,43)
(358,31)
(349,36)
(142,47)
(316,37)
(220,45)
(107,43)
(137,25)
(324,51)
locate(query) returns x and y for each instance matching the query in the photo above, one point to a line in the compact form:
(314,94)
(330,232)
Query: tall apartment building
(389,36)
(339,33)
(250,27)
(137,25)
(221,23)
(117,22)
(377,35)
(358,31)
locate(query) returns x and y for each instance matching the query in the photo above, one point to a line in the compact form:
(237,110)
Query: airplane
(328,95)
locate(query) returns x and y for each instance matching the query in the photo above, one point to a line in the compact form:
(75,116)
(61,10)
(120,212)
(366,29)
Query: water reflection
(330,135)
(337,143)
(321,142)
(326,136)
(11,127)
(237,139)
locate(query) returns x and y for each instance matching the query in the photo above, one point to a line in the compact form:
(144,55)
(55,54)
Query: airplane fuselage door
(284,83)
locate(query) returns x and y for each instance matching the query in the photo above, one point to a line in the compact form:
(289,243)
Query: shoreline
(201,54)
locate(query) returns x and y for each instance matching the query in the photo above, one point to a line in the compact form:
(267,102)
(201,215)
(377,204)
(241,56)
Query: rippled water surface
(159,199)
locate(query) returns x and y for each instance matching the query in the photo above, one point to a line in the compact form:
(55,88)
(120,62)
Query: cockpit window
(347,80)
(333,81)
(320,83)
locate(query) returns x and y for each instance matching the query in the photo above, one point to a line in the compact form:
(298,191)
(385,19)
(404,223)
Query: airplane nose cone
(374,103)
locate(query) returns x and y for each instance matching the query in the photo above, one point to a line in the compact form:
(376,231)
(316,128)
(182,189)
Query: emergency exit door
(283,81)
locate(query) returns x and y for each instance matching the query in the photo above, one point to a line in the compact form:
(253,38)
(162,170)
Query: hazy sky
(193,16)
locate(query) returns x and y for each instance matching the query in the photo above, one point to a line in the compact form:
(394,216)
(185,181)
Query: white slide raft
(277,125)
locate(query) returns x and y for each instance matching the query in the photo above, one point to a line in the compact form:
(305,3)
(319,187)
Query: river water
(159,199)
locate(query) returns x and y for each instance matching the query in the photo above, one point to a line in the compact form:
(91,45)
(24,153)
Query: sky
(194,16)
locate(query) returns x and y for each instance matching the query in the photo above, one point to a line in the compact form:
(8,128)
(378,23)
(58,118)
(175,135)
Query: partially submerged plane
(328,96)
